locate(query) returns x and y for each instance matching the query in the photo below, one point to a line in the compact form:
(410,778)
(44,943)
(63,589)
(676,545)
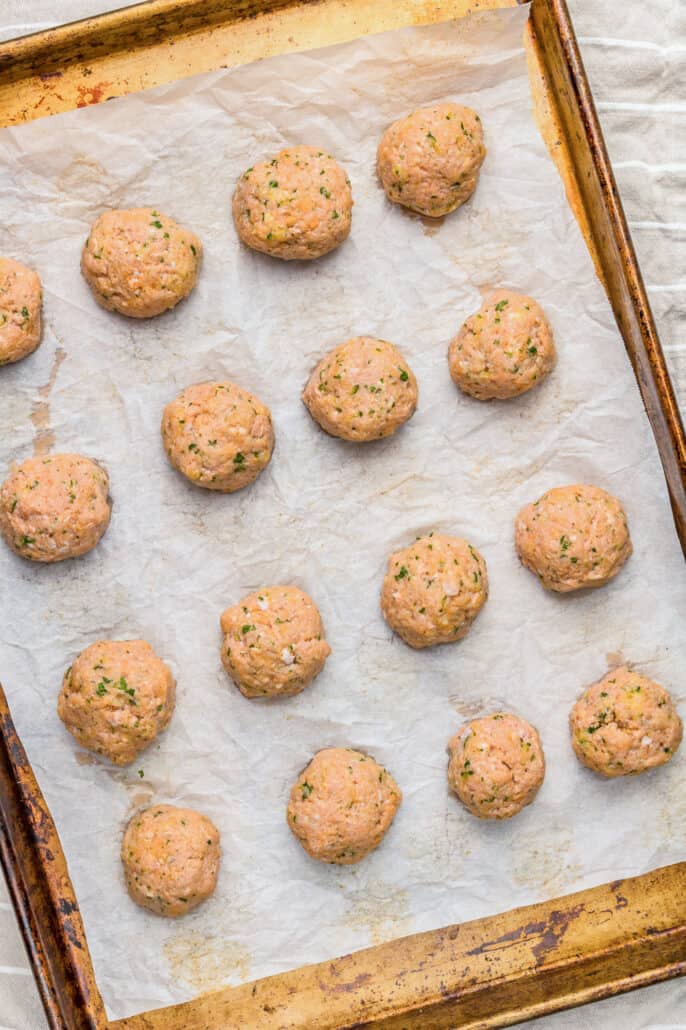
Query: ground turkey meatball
(573,537)
(624,724)
(54,508)
(116,698)
(20,311)
(342,805)
(140,262)
(362,390)
(171,859)
(504,349)
(496,765)
(218,435)
(429,161)
(297,205)
(434,589)
(274,642)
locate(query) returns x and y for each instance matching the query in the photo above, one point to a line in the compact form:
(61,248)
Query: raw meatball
(20,311)
(274,642)
(342,805)
(297,205)
(171,859)
(116,698)
(362,390)
(496,765)
(54,508)
(573,537)
(140,262)
(434,589)
(624,724)
(429,161)
(218,435)
(504,349)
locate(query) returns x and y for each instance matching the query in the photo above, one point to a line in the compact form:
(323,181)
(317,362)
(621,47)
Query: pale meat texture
(54,508)
(342,805)
(434,589)
(171,859)
(116,698)
(573,537)
(294,206)
(140,262)
(430,160)
(274,642)
(218,435)
(625,724)
(362,390)
(504,349)
(20,311)
(496,765)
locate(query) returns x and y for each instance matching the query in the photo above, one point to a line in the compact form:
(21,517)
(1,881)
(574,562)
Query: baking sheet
(326,514)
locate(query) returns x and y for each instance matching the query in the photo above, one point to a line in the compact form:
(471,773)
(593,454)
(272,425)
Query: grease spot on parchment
(44,437)
(381,911)
(204,963)
(474,708)
(85,758)
(549,865)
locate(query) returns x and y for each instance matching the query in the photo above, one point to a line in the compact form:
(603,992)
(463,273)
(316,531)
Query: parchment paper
(326,514)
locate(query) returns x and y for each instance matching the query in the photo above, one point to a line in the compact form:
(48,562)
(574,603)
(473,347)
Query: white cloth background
(637,68)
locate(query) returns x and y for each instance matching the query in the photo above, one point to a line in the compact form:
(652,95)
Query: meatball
(296,205)
(362,390)
(116,698)
(502,350)
(218,435)
(54,508)
(573,537)
(624,724)
(20,311)
(342,805)
(496,765)
(434,589)
(274,642)
(140,262)
(171,859)
(429,161)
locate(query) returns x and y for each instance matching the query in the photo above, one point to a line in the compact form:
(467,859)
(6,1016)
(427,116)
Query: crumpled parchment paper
(326,514)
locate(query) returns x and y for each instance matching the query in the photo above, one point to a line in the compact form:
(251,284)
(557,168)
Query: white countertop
(635,55)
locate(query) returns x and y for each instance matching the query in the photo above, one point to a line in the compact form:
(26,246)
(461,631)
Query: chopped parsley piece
(403,375)
(306,789)
(324,192)
(25,312)
(273,183)
(239,459)
(157,223)
(195,253)
(501,305)
(403,574)
(246,629)
(565,543)
(193,447)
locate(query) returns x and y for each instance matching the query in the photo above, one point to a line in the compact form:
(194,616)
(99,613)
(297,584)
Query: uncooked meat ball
(496,765)
(140,262)
(296,205)
(434,589)
(54,508)
(171,859)
(116,698)
(504,349)
(342,805)
(624,724)
(218,435)
(573,537)
(274,642)
(20,311)
(429,161)
(362,390)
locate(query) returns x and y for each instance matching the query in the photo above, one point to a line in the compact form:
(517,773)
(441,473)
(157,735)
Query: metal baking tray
(490,972)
